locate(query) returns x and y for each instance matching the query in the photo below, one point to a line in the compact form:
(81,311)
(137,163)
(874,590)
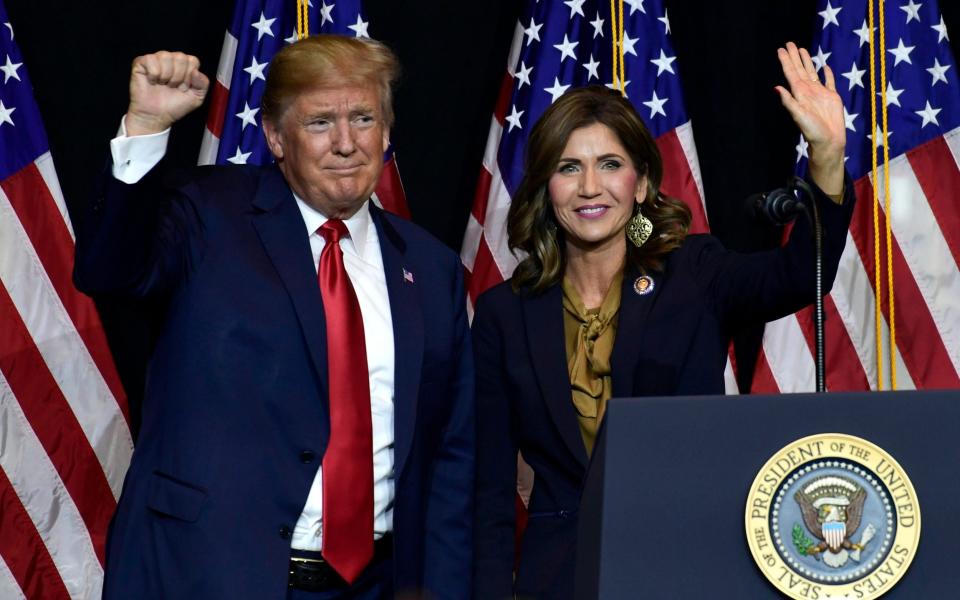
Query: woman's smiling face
(594,188)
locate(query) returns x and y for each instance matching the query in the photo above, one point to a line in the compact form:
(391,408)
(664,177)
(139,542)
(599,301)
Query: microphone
(781,206)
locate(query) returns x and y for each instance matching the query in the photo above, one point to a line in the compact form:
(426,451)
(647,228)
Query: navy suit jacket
(235,419)
(671,341)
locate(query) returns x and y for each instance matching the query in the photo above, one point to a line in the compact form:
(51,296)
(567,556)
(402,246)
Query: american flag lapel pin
(407,276)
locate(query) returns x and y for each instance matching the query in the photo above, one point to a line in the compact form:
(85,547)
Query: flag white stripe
(493,144)
(788,356)
(495,221)
(46,500)
(62,348)
(471,243)
(854,298)
(45,165)
(9,588)
(208,148)
(515,47)
(953,142)
(228,55)
(685,135)
(209,143)
(926,252)
(730,379)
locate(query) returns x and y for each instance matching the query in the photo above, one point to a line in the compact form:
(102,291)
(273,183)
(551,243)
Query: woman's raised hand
(817,110)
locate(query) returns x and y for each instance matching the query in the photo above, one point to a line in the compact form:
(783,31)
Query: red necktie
(348,461)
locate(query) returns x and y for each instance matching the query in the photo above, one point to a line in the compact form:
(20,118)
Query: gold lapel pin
(643,285)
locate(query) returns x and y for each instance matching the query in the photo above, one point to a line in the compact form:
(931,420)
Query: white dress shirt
(134,156)
(364,264)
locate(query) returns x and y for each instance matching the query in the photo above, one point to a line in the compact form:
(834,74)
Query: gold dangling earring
(639,229)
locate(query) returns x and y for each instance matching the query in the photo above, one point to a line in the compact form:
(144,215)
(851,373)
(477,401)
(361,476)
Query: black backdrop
(454,56)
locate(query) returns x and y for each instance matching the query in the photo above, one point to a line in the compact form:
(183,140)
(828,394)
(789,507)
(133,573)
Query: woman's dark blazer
(671,341)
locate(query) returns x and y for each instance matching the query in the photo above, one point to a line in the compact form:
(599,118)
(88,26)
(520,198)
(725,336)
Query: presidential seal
(832,516)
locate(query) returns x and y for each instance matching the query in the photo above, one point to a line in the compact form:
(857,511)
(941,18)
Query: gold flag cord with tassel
(884,135)
(303,19)
(619,71)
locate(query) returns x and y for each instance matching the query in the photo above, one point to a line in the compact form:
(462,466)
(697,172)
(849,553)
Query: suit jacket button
(306,457)
(285,532)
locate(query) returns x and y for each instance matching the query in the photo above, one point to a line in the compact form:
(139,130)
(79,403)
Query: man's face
(329,145)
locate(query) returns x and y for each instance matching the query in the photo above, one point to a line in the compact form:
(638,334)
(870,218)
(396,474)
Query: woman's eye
(610,164)
(567,168)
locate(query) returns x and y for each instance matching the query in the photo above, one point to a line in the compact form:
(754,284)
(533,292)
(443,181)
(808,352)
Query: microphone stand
(812,211)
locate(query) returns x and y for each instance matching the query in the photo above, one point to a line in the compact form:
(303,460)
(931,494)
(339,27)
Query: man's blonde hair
(329,61)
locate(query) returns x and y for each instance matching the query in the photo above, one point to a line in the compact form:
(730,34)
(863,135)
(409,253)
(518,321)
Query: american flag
(65,443)
(559,45)
(923,104)
(260,28)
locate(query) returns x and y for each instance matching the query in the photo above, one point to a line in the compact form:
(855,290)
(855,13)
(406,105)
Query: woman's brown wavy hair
(531,226)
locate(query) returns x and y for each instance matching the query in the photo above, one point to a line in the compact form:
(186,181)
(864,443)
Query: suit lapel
(634,310)
(543,319)
(279,224)
(405,310)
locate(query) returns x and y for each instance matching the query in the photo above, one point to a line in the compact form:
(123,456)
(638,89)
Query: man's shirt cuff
(133,157)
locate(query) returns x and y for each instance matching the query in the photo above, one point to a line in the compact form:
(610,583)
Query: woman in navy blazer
(583,217)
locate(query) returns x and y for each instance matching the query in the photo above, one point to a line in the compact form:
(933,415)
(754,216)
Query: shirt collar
(357,225)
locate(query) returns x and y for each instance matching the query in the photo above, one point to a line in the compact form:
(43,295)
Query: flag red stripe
(485,272)
(732,358)
(390,190)
(844,369)
(54,424)
(503,98)
(37,212)
(218,108)
(936,170)
(678,181)
(523,517)
(482,196)
(763,379)
(918,339)
(23,551)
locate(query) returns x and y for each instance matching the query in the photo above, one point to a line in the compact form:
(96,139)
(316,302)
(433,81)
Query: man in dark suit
(308,417)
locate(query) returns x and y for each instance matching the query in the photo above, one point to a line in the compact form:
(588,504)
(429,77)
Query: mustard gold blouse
(589,336)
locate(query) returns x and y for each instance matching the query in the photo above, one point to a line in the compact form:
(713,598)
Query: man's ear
(274,139)
(386,138)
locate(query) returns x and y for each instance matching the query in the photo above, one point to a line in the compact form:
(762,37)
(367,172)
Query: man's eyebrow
(322,113)
(330,113)
(361,109)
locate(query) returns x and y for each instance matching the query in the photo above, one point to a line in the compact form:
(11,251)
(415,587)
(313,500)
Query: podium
(664,505)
